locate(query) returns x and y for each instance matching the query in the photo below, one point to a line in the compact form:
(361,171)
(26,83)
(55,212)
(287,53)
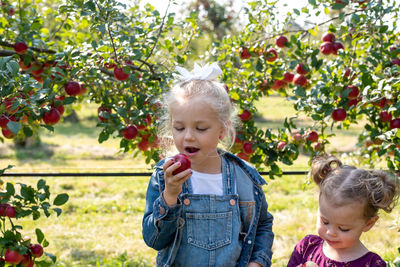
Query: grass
(101,223)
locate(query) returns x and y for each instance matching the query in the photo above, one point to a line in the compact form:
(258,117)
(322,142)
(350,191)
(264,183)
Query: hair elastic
(207,72)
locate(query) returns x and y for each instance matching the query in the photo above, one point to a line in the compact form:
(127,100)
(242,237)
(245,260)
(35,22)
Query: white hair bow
(207,72)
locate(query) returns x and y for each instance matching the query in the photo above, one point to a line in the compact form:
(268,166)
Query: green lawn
(101,223)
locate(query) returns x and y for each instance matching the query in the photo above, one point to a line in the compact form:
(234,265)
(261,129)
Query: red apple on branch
(245,115)
(120,74)
(7,133)
(301,69)
(339,114)
(20,48)
(395,123)
(13,256)
(326,48)
(271,55)
(51,117)
(244,53)
(185,163)
(312,136)
(300,79)
(281,145)
(36,250)
(281,41)
(385,116)
(248,148)
(100,113)
(328,37)
(288,77)
(130,132)
(72,88)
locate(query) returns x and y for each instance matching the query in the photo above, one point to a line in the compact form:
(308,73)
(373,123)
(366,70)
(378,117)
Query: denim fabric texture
(208,230)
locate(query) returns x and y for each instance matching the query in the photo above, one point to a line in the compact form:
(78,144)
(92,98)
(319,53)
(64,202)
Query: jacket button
(186,201)
(232,202)
(162,210)
(249,242)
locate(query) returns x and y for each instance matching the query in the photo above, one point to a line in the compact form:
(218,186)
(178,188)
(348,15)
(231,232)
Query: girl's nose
(188,135)
(330,231)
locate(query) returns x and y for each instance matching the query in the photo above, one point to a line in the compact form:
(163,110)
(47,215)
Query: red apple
(244,156)
(271,55)
(318,146)
(281,41)
(36,250)
(353,94)
(72,88)
(385,116)
(120,75)
(7,133)
(244,53)
(288,77)
(11,212)
(395,123)
(3,208)
(326,48)
(185,163)
(245,115)
(37,69)
(13,256)
(8,103)
(297,138)
(281,145)
(101,111)
(51,117)
(396,61)
(83,89)
(339,114)
(352,102)
(27,261)
(4,119)
(301,69)
(278,84)
(328,37)
(300,79)
(20,48)
(347,72)
(143,145)
(23,66)
(130,132)
(311,136)
(336,47)
(248,148)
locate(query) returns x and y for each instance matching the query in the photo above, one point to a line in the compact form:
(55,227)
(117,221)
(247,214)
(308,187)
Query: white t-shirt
(206,183)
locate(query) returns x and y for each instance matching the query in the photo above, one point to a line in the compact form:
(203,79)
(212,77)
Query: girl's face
(342,226)
(196,130)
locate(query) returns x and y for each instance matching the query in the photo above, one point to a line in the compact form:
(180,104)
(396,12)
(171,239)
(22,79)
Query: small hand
(254,264)
(173,183)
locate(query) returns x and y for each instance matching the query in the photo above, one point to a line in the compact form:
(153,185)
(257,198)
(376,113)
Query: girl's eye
(178,129)
(344,230)
(326,223)
(201,129)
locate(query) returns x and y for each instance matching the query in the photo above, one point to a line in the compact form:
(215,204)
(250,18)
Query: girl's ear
(371,222)
(224,130)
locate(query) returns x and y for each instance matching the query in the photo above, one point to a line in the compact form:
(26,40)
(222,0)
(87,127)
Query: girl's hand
(173,183)
(254,264)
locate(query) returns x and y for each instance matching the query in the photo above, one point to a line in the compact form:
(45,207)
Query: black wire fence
(110,174)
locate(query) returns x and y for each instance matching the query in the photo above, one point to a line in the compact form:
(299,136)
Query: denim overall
(212,226)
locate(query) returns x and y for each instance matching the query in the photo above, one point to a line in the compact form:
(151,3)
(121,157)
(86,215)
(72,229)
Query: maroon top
(310,249)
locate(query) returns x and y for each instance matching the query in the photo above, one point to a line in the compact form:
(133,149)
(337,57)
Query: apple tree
(34,202)
(337,71)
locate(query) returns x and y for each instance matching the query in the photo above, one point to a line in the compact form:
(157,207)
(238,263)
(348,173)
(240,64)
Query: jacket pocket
(209,230)
(246,214)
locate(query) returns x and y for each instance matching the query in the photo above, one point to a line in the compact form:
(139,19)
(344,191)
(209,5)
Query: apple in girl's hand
(185,163)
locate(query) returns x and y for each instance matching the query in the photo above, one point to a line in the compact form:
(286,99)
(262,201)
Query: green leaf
(61,199)
(51,256)
(10,189)
(39,235)
(27,131)
(58,211)
(14,126)
(3,170)
(13,67)
(296,11)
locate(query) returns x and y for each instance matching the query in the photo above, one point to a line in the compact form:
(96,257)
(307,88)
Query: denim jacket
(162,223)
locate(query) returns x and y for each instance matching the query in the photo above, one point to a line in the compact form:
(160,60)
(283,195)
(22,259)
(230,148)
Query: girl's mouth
(191,149)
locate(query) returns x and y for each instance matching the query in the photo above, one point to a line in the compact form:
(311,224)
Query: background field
(101,223)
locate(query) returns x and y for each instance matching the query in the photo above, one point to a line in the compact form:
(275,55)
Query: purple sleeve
(297,255)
